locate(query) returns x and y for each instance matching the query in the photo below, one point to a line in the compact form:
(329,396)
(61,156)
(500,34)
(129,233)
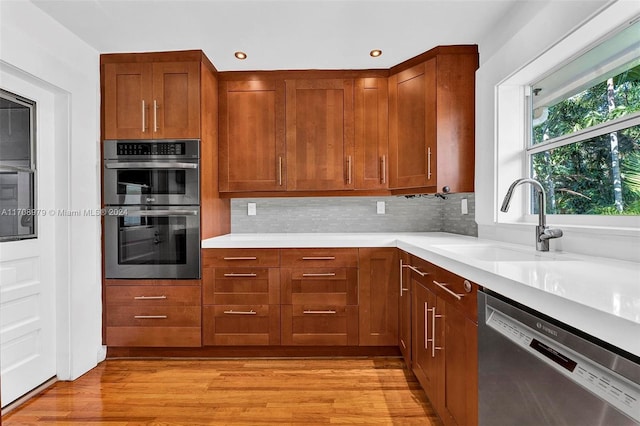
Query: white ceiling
(281,34)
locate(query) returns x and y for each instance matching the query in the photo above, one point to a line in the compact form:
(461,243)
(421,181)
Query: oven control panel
(150,148)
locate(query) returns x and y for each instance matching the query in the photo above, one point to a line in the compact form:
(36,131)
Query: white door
(28,273)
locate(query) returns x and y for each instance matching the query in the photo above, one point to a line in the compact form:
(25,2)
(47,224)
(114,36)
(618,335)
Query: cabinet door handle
(429,163)
(402,289)
(240,258)
(416,270)
(280,171)
(155,116)
(384,169)
(326,274)
(433,332)
(426,325)
(232,312)
(240,275)
(150,317)
(319,258)
(348,170)
(144,118)
(443,286)
(318,312)
(149,297)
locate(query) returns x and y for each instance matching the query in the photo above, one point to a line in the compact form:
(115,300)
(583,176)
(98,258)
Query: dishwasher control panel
(606,384)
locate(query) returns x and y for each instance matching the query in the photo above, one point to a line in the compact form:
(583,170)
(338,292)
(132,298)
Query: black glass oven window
(144,240)
(151,181)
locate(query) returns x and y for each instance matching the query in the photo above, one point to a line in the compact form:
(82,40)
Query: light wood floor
(376,391)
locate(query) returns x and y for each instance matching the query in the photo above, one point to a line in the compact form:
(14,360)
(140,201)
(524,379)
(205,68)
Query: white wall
(37,50)
(535,29)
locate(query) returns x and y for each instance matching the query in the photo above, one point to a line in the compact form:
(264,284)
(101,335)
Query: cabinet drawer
(336,286)
(322,325)
(154,336)
(153,316)
(320,258)
(458,292)
(240,257)
(238,325)
(236,286)
(143,296)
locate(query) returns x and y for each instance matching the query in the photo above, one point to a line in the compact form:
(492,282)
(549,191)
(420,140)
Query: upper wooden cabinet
(151,100)
(371,133)
(431,121)
(252,138)
(320,134)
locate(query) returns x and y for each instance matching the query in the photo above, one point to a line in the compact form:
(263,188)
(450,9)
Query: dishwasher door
(533,371)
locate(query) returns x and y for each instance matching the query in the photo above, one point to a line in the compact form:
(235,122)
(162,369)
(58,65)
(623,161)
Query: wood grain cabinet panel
(145,100)
(378,289)
(320,134)
(404,315)
(252,136)
(241,325)
(371,162)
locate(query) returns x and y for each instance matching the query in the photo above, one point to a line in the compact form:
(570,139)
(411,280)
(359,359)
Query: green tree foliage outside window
(600,175)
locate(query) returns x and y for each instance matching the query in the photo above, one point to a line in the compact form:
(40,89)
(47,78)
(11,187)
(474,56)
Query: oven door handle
(123,211)
(151,165)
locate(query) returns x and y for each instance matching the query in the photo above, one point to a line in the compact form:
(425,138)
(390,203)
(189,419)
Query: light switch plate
(381,208)
(464,209)
(251,209)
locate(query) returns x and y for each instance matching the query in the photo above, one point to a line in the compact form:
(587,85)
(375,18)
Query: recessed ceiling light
(375,53)
(240,55)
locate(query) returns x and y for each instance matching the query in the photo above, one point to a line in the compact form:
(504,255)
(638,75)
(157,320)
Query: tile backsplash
(355,214)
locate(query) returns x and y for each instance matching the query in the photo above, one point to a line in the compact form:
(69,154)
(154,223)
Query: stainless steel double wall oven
(151,192)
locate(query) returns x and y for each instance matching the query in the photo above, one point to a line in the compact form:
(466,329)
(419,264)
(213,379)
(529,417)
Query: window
(17,167)
(584,130)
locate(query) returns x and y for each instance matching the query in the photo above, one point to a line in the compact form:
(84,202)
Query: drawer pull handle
(318,312)
(240,275)
(241,258)
(232,312)
(416,270)
(443,286)
(149,297)
(326,274)
(319,258)
(150,317)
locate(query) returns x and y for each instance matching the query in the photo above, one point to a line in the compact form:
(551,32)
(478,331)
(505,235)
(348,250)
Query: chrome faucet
(543,233)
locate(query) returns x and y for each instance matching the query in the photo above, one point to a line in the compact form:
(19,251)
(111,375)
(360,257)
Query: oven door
(151,182)
(152,242)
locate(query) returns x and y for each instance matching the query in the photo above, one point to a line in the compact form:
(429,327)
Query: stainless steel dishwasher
(536,371)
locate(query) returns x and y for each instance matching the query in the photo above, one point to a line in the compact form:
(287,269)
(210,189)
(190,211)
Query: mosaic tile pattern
(354,214)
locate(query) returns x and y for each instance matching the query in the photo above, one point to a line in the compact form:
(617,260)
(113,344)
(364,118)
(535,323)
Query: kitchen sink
(494,253)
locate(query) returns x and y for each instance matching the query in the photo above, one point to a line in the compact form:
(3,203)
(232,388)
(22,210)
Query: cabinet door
(461,376)
(378,296)
(175,107)
(404,327)
(412,127)
(127,90)
(319,134)
(252,153)
(371,133)
(428,363)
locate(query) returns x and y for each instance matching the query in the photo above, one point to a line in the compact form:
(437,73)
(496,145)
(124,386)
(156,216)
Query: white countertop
(596,295)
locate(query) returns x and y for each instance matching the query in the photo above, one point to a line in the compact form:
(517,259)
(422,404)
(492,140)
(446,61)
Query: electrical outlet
(251,209)
(380,206)
(464,209)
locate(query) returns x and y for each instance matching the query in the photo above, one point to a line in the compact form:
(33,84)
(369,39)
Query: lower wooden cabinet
(153,315)
(404,309)
(241,325)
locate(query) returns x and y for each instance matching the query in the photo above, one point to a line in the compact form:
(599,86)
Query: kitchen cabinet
(319,297)
(159,314)
(371,133)
(404,309)
(151,100)
(445,341)
(252,136)
(431,121)
(378,290)
(241,297)
(320,134)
